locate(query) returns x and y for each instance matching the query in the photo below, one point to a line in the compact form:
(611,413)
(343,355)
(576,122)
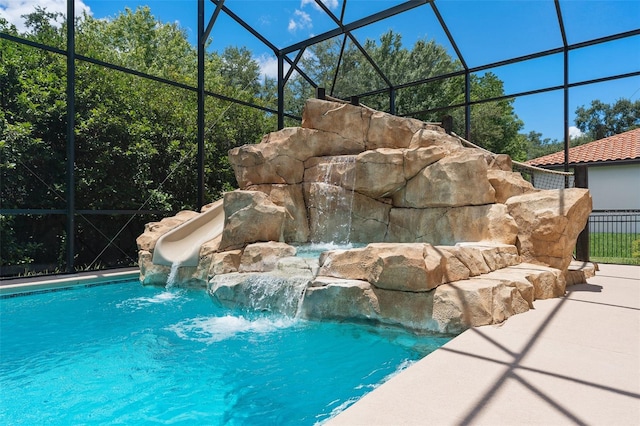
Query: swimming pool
(124,353)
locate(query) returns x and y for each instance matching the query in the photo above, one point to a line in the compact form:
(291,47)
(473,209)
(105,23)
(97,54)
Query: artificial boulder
(457,180)
(296,226)
(447,226)
(250,217)
(263,257)
(379,173)
(508,184)
(549,223)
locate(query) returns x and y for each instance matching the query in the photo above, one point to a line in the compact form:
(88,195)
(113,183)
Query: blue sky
(485,31)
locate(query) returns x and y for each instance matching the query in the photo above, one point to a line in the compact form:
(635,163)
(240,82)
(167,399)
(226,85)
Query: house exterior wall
(615,187)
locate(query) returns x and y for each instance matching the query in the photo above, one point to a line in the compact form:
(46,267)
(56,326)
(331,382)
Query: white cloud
(331,4)
(12,10)
(300,20)
(574,132)
(268,65)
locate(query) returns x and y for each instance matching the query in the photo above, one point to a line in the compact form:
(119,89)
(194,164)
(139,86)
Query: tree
(135,139)
(602,120)
(538,147)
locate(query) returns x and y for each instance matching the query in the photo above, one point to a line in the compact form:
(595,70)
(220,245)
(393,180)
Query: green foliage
(135,139)
(602,120)
(610,247)
(635,248)
(538,147)
(13,251)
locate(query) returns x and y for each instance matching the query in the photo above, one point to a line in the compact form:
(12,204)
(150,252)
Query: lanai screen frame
(204,27)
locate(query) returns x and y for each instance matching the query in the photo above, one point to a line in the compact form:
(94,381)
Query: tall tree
(539,147)
(602,120)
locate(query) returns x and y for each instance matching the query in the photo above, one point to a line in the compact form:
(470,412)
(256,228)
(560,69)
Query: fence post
(581,175)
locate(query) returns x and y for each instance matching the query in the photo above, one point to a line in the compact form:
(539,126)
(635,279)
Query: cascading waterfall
(282,291)
(173,274)
(269,293)
(335,201)
(276,293)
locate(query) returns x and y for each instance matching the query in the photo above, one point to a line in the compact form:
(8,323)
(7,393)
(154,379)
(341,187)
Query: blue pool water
(128,354)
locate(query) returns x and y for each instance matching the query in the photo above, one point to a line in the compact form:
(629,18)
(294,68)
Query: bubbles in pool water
(165,297)
(215,329)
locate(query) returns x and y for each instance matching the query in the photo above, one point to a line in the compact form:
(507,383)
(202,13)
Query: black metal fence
(614,236)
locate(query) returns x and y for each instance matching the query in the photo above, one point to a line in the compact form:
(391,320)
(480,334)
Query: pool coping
(30,285)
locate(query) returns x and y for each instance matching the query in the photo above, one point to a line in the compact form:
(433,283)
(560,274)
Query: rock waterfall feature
(445,237)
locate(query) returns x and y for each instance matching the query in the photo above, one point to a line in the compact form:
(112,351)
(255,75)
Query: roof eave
(592,163)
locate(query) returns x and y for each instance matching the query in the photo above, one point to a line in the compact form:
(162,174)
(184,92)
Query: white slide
(182,244)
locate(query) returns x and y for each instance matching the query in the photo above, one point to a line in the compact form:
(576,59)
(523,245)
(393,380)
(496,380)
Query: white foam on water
(336,410)
(403,366)
(215,329)
(368,387)
(140,302)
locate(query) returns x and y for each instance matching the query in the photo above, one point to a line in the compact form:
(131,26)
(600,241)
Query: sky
(485,31)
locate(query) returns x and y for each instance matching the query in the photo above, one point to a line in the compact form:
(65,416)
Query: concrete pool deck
(572,360)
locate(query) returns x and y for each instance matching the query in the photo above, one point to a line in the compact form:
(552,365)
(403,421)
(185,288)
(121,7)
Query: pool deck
(572,360)
(33,284)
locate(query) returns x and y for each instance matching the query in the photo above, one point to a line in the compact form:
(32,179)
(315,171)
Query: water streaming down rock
(267,292)
(330,200)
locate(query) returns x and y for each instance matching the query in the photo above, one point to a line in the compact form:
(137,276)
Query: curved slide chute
(181,245)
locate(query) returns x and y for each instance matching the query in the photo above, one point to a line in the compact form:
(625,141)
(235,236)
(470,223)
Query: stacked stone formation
(458,238)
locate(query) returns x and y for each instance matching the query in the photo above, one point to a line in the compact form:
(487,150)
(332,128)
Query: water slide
(182,244)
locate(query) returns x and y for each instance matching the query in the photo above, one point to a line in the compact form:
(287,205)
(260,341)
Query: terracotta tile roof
(625,146)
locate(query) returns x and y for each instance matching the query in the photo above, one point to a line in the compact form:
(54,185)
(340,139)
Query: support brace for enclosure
(200,156)
(581,176)
(71,113)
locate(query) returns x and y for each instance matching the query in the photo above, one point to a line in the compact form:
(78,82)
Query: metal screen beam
(212,21)
(354,41)
(281,91)
(444,26)
(294,65)
(246,26)
(356,24)
(201,97)
(71,149)
(565,56)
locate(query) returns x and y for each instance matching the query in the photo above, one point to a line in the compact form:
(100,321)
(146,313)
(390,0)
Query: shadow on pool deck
(572,360)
